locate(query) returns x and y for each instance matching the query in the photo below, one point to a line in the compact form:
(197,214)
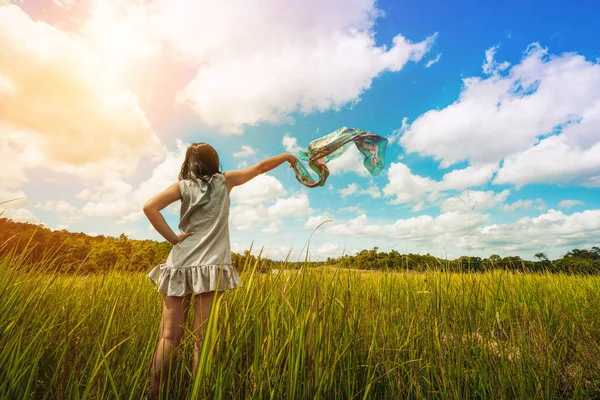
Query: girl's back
(205,211)
(195,263)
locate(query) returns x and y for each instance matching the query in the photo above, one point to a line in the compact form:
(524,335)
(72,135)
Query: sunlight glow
(120,35)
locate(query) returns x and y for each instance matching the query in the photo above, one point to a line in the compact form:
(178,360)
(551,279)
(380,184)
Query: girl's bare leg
(202,306)
(174,315)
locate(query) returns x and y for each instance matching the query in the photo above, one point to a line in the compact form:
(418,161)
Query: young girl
(201,251)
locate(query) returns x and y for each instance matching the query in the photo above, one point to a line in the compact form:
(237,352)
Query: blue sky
(491,110)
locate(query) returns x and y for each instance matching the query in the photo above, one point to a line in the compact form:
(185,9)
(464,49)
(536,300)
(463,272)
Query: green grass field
(317,334)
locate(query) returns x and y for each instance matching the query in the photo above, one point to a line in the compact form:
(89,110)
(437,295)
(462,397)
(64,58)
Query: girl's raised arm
(239,177)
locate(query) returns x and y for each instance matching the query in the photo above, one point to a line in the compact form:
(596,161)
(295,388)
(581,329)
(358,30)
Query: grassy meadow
(321,333)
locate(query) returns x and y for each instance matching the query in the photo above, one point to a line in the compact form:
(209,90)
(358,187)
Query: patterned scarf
(321,151)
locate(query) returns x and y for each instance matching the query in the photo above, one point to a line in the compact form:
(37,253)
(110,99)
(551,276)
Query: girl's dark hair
(201,162)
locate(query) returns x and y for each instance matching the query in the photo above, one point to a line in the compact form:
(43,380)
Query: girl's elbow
(147,209)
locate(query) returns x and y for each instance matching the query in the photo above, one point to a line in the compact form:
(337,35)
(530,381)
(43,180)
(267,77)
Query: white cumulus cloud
(538,204)
(351,161)
(116,198)
(316,220)
(433,60)
(353,188)
(19,215)
(252,216)
(261,189)
(407,187)
(290,144)
(264,60)
(555,231)
(490,65)
(246,151)
(72,114)
(474,200)
(291,206)
(568,203)
(543,109)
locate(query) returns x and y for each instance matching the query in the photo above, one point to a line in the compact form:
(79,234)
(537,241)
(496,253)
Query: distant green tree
(495,258)
(70,252)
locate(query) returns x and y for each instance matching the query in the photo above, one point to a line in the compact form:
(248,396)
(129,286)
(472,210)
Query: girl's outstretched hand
(292,160)
(182,236)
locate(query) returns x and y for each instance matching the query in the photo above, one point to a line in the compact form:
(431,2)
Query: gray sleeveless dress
(194,264)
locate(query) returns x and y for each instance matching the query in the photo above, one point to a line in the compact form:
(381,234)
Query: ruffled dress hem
(181,281)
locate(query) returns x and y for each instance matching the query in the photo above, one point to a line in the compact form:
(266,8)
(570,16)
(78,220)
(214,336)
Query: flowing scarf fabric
(321,151)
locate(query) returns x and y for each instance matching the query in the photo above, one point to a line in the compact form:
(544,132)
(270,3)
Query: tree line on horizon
(68,252)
